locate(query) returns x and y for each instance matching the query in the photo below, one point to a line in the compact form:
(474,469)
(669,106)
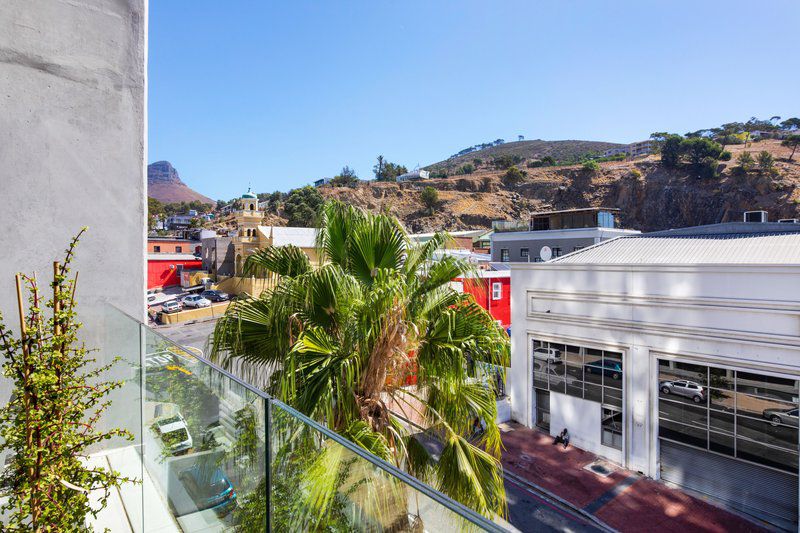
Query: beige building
(252,236)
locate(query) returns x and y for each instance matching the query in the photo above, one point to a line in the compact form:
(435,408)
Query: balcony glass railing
(215,454)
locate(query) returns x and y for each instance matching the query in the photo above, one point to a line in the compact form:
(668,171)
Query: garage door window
(746,415)
(612,428)
(587,373)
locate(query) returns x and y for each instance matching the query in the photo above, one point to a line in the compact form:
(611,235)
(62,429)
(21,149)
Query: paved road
(194,334)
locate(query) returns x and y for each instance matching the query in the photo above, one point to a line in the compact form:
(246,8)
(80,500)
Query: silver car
(688,389)
(787,417)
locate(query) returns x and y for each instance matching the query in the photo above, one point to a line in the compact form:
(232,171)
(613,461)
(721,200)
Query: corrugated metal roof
(733,248)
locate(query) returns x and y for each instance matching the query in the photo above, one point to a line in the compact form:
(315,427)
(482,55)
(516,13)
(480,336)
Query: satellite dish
(545,253)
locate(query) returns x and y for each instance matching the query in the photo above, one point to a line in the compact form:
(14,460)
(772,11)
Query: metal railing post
(268,466)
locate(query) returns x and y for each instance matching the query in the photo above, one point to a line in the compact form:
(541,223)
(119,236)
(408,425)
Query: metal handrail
(427,490)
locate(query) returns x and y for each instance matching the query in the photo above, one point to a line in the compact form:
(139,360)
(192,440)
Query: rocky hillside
(165,185)
(650,197)
(530,150)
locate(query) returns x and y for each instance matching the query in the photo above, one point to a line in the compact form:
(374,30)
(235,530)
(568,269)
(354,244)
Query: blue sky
(278,94)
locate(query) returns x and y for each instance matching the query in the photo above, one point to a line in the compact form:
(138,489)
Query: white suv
(174,434)
(551,355)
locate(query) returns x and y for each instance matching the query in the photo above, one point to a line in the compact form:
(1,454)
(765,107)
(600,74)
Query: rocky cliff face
(165,185)
(650,197)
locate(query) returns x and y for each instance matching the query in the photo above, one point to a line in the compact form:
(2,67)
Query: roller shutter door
(762,492)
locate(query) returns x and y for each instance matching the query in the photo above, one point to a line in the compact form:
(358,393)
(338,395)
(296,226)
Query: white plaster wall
(740,316)
(518,379)
(582,419)
(73,151)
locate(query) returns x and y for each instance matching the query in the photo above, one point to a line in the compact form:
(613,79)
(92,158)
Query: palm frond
(287,260)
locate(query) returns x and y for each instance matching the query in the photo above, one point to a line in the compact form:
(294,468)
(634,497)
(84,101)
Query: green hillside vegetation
(514,153)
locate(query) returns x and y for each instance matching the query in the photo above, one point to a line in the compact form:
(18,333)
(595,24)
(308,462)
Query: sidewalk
(624,500)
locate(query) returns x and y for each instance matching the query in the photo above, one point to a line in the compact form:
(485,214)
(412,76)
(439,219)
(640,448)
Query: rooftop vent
(755,216)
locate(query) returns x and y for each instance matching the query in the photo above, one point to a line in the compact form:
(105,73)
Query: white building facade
(676,355)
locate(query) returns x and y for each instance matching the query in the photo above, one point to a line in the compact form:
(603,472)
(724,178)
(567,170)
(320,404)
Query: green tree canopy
(792,141)
(302,206)
(430,197)
(671,150)
(345,338)
(346,178)
(387,171)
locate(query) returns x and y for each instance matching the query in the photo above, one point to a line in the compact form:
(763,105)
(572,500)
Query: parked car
(688,389)
(151,298)
(172,306)
(611,369)
(787,417)
(174,434)
(551,355)
(216,296)
(195,300)
(209,488)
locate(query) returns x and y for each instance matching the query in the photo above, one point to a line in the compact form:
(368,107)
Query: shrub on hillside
(746,162)
(506,161)
(725,156)
(708,168)
(512,176)
(590,166)
(766,163)
(466,168)
(430,198)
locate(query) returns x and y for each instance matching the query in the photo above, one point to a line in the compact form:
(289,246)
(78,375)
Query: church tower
(247,220)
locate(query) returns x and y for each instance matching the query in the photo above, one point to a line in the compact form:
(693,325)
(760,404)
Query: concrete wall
(73,150)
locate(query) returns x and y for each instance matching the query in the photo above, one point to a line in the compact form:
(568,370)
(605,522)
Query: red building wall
(481,290)
(159,273)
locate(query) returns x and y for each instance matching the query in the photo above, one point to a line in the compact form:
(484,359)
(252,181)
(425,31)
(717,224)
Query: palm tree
(343,340)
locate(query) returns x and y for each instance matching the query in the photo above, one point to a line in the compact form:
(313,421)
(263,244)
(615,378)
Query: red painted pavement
(646,505)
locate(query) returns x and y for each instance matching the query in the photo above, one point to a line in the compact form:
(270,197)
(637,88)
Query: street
(190,334)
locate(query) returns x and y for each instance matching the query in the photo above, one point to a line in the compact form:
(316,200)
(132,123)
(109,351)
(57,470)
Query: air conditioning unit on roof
(755,216)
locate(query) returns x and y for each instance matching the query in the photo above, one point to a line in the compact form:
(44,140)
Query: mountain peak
(165,185)
(162,172)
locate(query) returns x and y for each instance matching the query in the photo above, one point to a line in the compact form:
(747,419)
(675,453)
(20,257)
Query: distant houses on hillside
(636,149)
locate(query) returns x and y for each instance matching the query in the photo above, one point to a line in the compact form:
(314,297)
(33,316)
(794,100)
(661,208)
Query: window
(741,414)
(504,258)
(556,252)
(540,223)
(605,219)
(611,428)
(524,253)
(588,373)
(178,249)
(578,248)
(156,249)
(497,290)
